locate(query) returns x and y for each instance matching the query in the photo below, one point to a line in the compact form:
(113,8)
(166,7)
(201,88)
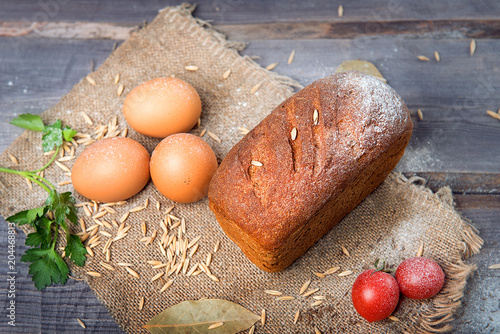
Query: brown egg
(111,169)
(182,166)
(161,107)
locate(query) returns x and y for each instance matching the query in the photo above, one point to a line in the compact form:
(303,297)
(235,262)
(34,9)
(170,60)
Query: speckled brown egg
(162,106)
(111,169)
(182,166)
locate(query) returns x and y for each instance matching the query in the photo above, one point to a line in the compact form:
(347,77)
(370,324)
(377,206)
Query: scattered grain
(226,74)
(393,318)
(191,68)
(99,214)
(90,80)
(106,234)
(193,269)
(252,330)
(273,292)
(124,217)
(93,274)
(285,298)
(315,117)
(320,275)
(310,292)
(293,133)
(304,287)
(216,325)
(157,206)
(124,264)
(420,114)
(472,47)
(263,317)
(420,250)
(166,285)
(64,183)
(108,255)
(117,78)
(213,278)
(137,209)
(493,114)
(255,88)
(494,266)
(296,316)
(81,323)
(345,273)
(89,251)
(291,57)
(331,270)
(243,130)
(272,66)
(87,211)
(214,136)
(209,259)
(345,251)
(257,163)
(157,276)
(62,167)
(437,56)
(13,158)
(317,303)
(141,303)
(340,11)
(107,266)
(316,330)
(216,246)
(119,90)
(193,250)
(202,133)
(423,58)
(132,272)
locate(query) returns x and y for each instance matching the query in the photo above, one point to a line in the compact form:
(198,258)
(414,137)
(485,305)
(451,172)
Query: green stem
(55,237)
(32,176)
(50,161)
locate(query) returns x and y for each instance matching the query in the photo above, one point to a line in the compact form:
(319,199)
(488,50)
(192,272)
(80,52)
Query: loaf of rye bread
(307,165)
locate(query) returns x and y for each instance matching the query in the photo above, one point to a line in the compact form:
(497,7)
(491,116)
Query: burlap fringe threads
(438,317)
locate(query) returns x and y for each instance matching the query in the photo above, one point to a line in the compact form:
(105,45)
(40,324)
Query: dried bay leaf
(195,316)
(362,66)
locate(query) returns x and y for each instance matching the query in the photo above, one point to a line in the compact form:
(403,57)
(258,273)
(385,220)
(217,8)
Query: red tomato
(419,278)
(375,295)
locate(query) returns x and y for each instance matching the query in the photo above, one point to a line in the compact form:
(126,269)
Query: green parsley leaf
(43,235)
(20,218)
(27,216)
(29,121)
(52,136)
(75,250)
(47,267)
(68,133)
(63,206)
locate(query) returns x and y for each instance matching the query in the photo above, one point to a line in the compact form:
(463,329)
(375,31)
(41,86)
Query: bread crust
(308,164)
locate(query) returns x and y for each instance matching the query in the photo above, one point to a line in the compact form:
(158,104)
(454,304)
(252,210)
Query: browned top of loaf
(360,117)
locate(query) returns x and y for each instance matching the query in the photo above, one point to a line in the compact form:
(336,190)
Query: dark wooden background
(48,46)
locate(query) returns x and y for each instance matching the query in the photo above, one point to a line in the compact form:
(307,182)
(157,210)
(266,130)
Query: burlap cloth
(391,223)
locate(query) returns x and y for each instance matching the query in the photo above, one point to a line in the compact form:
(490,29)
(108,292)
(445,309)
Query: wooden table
(455,144)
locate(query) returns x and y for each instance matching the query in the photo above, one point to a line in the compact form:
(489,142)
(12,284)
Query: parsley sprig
(47,265)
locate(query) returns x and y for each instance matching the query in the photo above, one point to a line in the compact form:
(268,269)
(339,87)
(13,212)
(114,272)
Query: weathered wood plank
(465,28)
(243,12)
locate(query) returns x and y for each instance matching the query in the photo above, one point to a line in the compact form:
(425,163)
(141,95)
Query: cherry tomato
(419,278)
(375,295)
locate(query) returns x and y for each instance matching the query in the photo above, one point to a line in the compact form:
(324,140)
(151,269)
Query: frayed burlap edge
(437,318)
